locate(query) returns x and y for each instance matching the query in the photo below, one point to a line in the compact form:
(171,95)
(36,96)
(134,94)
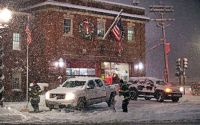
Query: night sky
(183,34)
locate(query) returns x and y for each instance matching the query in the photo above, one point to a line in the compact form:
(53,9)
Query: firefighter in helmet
(34,93)
(125,92)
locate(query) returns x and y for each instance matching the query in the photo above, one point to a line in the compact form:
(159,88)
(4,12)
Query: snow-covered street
(141,111)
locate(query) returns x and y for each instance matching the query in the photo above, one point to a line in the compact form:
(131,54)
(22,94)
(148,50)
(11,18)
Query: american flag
(117,31)
(28,32)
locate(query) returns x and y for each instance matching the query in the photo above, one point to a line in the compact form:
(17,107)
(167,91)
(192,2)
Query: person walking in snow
(125,92)
(34,93)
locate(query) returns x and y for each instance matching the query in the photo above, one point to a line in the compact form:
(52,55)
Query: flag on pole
(28,32)
(114,22)
(167,48)
(117,31)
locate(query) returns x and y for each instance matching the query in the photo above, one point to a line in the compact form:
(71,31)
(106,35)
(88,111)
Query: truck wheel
(160,97)
(175,99)
(50,109)
(133,94)
(49,106)
(81,103)
(111,100)
(147,98)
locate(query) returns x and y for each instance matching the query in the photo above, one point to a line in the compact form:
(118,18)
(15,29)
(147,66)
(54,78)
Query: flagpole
(27,66)
(116,18)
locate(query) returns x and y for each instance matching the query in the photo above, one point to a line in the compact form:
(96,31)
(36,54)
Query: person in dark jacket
(34,93)
(125,92)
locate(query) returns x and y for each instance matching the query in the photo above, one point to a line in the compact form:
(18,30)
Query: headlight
(181,89)
(69,96)
(168,90)
(47,95)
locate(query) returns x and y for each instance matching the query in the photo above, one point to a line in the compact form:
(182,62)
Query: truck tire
(147,98)
(175,99)
(133,94)
(160,96)
(81,104)
(50,108)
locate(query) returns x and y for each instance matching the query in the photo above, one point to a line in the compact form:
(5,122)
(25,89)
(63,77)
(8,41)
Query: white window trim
(131,25)
(104,21)
(14,42)
(20,80)
(67,16)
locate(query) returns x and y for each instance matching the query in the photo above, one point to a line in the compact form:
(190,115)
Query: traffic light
(177,74)
(178,64)
(185,63)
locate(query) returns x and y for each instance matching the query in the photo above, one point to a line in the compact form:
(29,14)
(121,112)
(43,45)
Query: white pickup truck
(80,92)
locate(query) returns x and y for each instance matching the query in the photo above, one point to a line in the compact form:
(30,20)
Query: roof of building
(92,9)
(120,4)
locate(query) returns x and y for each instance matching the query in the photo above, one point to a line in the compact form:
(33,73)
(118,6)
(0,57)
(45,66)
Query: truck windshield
(161,83)
(72,84)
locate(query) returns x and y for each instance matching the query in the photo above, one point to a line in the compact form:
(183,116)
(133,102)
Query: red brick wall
(49,44)
(56,45)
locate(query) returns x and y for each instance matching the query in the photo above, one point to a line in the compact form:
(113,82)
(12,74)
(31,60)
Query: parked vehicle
(80,92)
(195,88)
(148,87)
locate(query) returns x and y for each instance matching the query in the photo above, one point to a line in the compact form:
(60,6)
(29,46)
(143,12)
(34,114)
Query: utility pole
(162,23)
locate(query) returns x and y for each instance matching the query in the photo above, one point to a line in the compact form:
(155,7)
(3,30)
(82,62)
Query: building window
(131,34)
(100,28)
(111,69)
(16,80)
(80,72)
(67,26)
(16,41)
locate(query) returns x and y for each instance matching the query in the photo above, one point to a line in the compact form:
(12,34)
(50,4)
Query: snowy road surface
(187,110)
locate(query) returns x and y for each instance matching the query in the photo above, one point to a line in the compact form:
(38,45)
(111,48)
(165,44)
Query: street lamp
(60,64)
(5,16)
(139,67)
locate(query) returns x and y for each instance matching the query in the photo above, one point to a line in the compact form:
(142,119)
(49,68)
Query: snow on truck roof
(143,78)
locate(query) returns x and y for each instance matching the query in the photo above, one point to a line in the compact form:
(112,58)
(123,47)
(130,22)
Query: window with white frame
(16,41)
(68,26)
(80,71)
(131,34)
(100,28)
(16,80)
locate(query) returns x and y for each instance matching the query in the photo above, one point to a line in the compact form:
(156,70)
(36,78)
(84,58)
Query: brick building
(62,44)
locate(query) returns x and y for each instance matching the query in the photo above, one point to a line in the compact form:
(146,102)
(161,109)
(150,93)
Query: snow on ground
(187,109)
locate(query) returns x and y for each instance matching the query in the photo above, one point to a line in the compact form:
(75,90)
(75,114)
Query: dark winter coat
(125,91)
(35,91)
